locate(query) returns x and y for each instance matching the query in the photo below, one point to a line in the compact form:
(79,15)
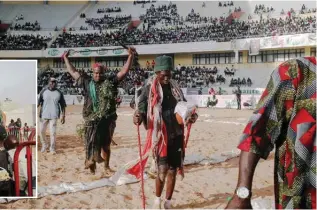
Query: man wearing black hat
(169,146)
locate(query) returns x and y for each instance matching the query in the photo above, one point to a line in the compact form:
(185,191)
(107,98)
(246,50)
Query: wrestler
(99,111)
(169,155)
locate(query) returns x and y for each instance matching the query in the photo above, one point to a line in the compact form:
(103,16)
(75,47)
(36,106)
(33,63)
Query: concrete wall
(144,58)
(307,51)
(45,62)
(183,59)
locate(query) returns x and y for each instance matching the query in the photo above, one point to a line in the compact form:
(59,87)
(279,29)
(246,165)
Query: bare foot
(92,169)
(109,172)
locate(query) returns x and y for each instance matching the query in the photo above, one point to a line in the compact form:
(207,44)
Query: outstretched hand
(132,51)
(192,118)
(66,54)
(137,118)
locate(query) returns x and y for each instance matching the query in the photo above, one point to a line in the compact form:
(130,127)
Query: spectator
(178,67)
(238,96)
(153,64)
(26,131)
(18,123)
(220,91)
(282,12)
(249,82)
(11,124)
(213,102)
(52,104)
(211,91)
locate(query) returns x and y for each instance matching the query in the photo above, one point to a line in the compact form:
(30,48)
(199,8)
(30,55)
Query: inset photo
(18,168)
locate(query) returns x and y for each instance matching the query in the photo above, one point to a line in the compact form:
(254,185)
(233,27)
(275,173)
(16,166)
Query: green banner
(118,52)
(102,51)
(53,52)
(85,52)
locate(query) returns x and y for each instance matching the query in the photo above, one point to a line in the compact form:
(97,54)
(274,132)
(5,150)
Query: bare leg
(170,185)
(159,184)
(160,179)
(107,158)
(108,170)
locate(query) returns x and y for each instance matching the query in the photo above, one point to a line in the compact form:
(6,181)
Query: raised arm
(70,68)
(125,69)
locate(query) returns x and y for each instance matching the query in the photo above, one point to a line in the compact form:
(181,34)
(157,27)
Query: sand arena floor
(209,186)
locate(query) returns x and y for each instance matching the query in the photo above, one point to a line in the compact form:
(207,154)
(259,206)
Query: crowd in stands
(167,13)
(65,81)
(68,40)
(68,86)
(219,31)
(240,82)
(23,42)
(82,28)
(192,77)
(225,4)
(280,26)
(176,31)
(17,18)
(143,2)
(109,10)
(186,76)
(26,26)
(304,10)
(82,15)
(262,9)
(108,22)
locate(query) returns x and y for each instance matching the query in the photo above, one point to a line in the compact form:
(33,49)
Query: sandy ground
(216,131)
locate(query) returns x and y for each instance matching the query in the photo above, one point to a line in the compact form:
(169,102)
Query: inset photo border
(18,130)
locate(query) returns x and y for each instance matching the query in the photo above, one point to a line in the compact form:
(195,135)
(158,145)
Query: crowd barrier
(27,144)
(21,134)
(224,101)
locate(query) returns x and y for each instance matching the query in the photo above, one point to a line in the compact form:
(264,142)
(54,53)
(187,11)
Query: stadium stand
(89,24)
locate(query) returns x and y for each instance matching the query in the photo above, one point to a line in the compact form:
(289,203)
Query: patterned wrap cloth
(99,113)
(285,118)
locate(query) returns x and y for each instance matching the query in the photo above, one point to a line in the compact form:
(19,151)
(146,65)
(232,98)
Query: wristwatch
(243,193)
